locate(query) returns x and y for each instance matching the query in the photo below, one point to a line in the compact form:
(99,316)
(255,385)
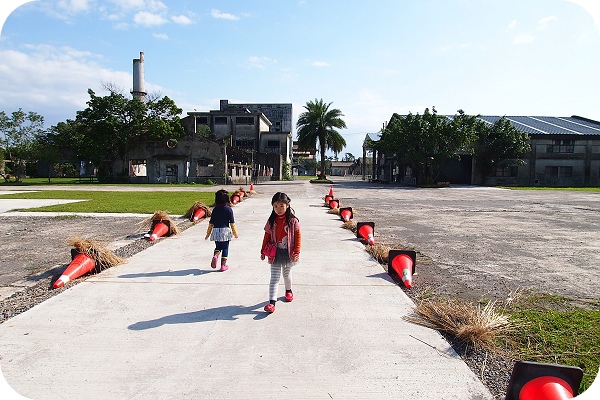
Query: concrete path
(167,326)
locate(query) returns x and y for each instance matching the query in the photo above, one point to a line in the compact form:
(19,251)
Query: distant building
(304,161)
(565,151)
(342,168)
(257,137)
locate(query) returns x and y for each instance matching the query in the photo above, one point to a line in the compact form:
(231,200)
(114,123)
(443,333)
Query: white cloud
(161,36)
(145,18)
(544,23)
(149,5)
(320,64)
(513,24)
(74,6)
(261,62)
(53,80)
(181,20)
(221,15)
(523,38)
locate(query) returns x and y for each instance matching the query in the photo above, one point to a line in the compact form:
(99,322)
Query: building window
(202,120)
(561,146)
(558,172)
(220,120)
(244,144)
(204,162)
(273,143)
(511,172)
(137,168)
(244,120)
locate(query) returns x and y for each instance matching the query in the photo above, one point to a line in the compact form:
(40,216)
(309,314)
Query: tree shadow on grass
(225,313)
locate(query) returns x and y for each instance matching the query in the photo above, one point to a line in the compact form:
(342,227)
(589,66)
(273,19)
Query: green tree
(112,125)
(349,157)
(427,141)
(19,131)
(499,145)
(318,124)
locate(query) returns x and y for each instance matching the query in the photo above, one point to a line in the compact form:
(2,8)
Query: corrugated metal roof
(551,125)
(373,136)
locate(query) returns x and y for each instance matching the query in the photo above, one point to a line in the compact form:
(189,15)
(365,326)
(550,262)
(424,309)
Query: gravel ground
(472,244)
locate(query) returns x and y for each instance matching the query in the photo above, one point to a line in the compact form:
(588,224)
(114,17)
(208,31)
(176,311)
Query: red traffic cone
(537,381)
(365,230)
(328,198)
(333,203)
(331,190)
(251,187)
(401,266)
(198,214)
(235,198)
(160,229)
(346,214)
(79,266)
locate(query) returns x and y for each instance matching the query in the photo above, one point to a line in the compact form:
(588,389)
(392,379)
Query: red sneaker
(270,308)
(289,296)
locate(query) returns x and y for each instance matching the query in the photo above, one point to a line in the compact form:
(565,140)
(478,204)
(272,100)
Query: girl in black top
(221,228)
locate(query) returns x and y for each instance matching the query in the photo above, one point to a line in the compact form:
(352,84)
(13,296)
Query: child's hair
(289,213)
(221,197)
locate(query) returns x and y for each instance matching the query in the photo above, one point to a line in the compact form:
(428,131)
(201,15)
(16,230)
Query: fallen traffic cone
(160,229)
(328,198)
(235,198)
(346,214)
(199,214)
(197,211)
(333,203)
(401,266)
(537,381)
(86,255)
(79,266)
(365,230)
(162,218)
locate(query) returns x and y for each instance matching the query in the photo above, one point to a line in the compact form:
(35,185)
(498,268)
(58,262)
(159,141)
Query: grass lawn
(556,330)
(176,203)
(572,189)
(84,183)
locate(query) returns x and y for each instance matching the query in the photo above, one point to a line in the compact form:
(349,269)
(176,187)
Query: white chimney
(138,91)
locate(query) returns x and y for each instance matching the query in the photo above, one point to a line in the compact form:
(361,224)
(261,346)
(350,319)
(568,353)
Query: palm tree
(318,123)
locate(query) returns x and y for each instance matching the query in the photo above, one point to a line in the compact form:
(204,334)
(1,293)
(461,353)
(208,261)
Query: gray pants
(282,262)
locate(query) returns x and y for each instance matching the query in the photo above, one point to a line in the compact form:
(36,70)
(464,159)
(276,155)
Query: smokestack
(138,78)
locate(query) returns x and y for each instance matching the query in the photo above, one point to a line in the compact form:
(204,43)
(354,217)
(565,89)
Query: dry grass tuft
(335,211)
(161,216)
(469,324)
(379,252)
(350,225)
(196,206)
(103,257)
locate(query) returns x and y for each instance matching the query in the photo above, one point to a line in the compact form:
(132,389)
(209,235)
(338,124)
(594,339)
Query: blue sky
(370,59)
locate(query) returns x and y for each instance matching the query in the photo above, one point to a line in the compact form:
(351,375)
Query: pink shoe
(213,263)
(270,308)
(224,267)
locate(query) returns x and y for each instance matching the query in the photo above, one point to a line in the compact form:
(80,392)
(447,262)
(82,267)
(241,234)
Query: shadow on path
(225,313)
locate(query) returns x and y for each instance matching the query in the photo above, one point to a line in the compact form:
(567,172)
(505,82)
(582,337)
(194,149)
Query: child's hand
(295,257)
(206,237)
(236,236)
(262,256)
